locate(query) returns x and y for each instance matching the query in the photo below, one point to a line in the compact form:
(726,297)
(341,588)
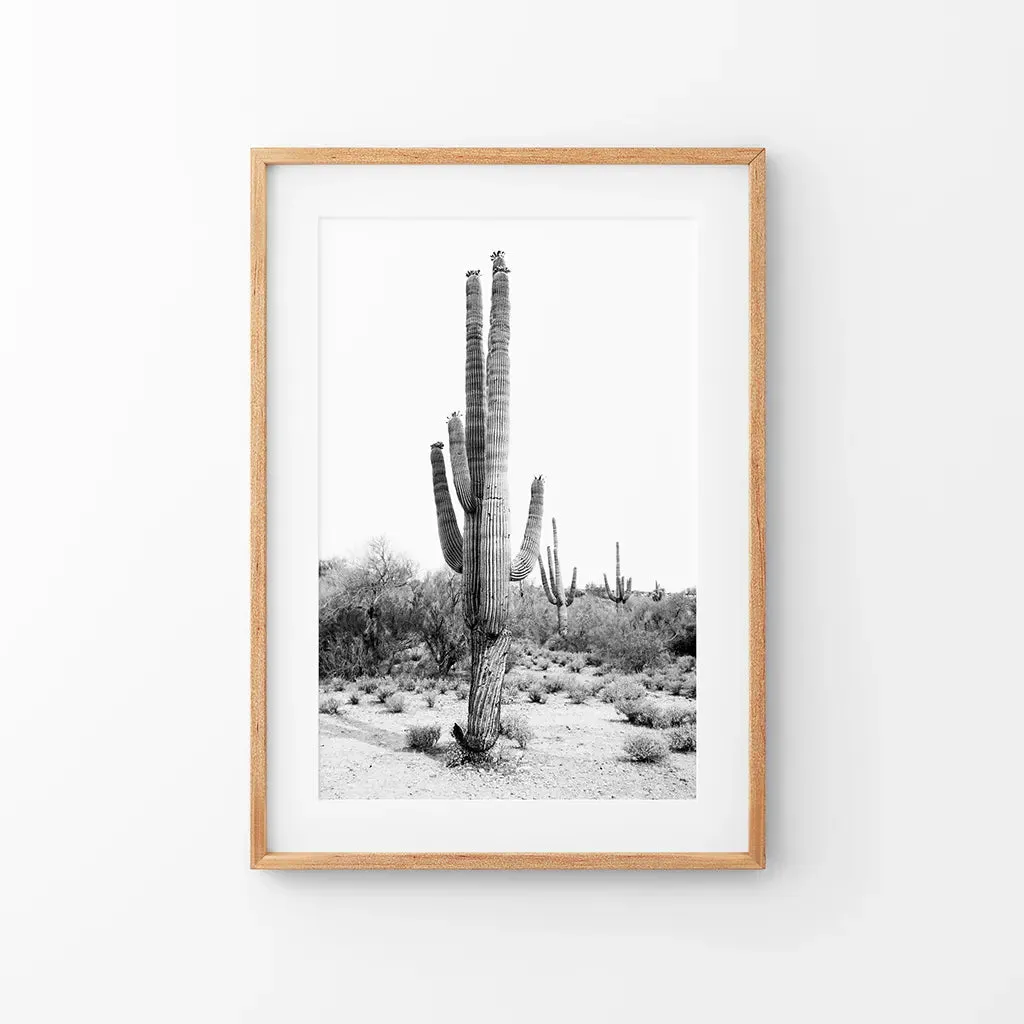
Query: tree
(437,604)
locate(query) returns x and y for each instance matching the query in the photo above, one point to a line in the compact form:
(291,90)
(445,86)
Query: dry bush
(461,692)
(385,691)
(577,693)
(354,696)
(368,684)
(395,703)
(430,696)
(422,737)
(556,682)
(517,680)
(684,715)
(329,704)
(538,695)
(644,748)
(627,689)
(683,739)
(517,729)
(645,712)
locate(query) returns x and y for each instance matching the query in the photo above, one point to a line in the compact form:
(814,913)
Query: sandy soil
(575,754)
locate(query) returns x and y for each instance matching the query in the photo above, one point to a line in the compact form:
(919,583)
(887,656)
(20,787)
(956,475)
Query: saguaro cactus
(482,551)
(555,591)
(623,588)
(658,592)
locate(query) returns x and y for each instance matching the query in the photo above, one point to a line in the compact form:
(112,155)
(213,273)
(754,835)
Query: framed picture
(510,402)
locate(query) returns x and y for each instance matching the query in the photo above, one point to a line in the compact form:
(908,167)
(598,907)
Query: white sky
(604,389)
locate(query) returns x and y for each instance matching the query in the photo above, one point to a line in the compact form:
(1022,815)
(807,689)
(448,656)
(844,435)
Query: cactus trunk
(482,551)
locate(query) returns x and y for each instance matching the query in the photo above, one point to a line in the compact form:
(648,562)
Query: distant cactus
(555,591)
(658,592)
(483,551)
(623,588)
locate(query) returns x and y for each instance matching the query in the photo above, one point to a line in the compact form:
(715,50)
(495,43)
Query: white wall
(894,888)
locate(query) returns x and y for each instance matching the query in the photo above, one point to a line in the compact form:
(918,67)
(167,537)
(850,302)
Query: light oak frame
(260,856)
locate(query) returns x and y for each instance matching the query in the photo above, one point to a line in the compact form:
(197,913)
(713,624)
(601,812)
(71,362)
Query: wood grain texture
(758,570)
(503,155)
(258,514)
(507,861)
(260,857)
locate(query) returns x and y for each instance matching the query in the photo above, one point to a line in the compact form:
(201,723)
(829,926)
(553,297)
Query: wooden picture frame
(753,857)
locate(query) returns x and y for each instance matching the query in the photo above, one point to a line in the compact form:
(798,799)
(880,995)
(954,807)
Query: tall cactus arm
(607,589)
(522,564)
(571,596)
(556,583)
(629,589)
(460,463)
(544,580)
(495,549)
(447,525)
(475,397)
(557,571)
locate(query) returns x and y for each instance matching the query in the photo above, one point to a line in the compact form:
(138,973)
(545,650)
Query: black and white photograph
(507,509)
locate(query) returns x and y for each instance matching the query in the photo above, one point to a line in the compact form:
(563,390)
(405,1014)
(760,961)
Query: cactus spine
(482,552)
(554,589)
(623,588)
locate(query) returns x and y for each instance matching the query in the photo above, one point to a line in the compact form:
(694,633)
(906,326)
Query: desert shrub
(329,704)
(442,686)
(354,696)
(409,684)
(626,689)
(555,683)
(430,696)
(593,659)
(538,695)
(683,739)
(517,729)
(461,692)
(644,748)
(509,692)
(644,712)
(336,684)
(685,715)
(687,663)
(577,693)
(575,664)
(517,680)
(542,663)
(631,650)
(368,684)
(385,691)
(395,703)
(422,737)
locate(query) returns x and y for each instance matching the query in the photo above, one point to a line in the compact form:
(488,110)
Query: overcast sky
(604,364)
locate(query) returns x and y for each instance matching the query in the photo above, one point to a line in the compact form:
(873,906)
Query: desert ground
(569,737)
